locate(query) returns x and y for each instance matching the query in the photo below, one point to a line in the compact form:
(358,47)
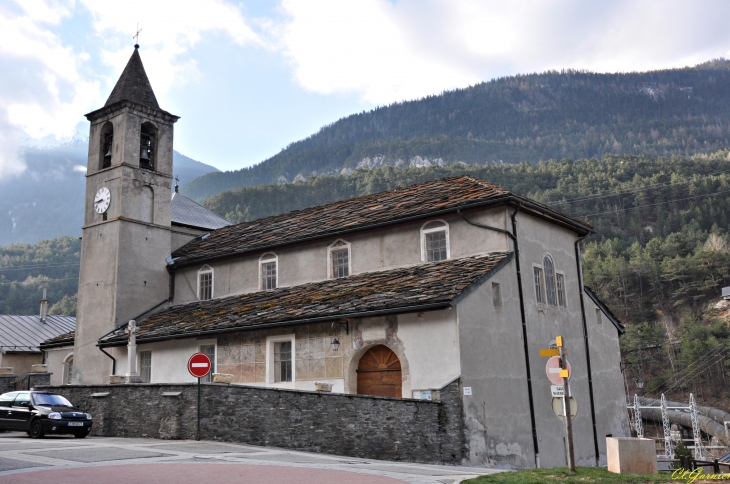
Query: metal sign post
(199,365)
(566,401)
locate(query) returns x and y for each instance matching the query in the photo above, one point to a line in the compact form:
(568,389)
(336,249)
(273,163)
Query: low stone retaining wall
(351,425)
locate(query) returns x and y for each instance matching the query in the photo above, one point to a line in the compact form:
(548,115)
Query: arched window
(338,257)
(205,283)
(106,145)
(435,241)
(550,292)
(147,146)
(268,271)
(68,370)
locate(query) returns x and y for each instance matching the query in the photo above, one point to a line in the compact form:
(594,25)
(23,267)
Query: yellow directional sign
(558,341)
(548,352)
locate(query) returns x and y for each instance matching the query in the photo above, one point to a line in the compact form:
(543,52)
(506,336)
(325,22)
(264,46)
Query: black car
(40,413)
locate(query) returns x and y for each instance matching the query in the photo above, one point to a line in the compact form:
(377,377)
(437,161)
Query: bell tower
(126,233)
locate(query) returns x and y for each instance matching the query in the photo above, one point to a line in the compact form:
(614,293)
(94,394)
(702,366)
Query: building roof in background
(380,209)
(133,85)
(24,334)
(65,339)
(611,317)
(190,214)
(435,285)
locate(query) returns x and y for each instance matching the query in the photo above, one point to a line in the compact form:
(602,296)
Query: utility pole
(565,374)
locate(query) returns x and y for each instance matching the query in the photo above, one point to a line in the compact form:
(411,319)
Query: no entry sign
(199,365)
(552,370)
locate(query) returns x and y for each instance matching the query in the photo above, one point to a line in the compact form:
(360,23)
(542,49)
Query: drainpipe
(513,235)
(114,361)
(585,342)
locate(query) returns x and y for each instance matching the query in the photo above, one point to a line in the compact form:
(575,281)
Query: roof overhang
(511,200)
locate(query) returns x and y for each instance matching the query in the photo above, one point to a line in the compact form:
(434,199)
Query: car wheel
(80,436)
(36,429)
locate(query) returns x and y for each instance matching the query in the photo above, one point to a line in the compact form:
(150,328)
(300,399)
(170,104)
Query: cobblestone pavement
(63,460)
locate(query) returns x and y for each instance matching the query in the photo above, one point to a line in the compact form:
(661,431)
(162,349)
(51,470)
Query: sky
(248,78)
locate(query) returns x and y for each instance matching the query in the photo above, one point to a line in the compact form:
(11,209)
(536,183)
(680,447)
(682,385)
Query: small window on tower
(598,316)
(148,145)
(205,283)
(107,144)
(496,295)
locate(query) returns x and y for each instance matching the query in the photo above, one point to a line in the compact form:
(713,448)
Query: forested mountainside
(47,200)
(553,115)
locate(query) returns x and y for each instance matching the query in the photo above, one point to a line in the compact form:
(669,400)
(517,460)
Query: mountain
(553,115)
(47,200)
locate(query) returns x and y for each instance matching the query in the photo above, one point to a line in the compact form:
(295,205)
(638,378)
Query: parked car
(40,413)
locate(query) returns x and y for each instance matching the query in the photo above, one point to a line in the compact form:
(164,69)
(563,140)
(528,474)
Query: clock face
(102,199)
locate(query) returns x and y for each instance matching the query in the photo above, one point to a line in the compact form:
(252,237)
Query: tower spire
(134,85)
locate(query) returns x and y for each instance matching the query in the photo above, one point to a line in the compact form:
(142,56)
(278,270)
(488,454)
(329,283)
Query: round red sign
(199,365)
(552,370)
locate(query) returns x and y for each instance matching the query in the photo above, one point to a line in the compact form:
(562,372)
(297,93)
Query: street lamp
(335,341)
(639,383)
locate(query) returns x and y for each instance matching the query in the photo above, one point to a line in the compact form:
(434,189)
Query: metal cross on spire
(176,183)
(136,37)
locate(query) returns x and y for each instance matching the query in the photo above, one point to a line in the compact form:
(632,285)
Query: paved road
(62,460)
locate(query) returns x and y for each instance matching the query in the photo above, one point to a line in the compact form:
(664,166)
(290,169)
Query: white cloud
(170,28)
(79,168)
(389,51)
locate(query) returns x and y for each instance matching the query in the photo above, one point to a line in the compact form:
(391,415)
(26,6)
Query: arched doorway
(379,373)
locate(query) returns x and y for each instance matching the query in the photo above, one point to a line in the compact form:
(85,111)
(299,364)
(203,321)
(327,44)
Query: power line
(39,266)
(44,280)
(654,204)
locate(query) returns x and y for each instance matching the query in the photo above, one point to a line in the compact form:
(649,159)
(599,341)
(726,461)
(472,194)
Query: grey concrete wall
(608,384)
(123,269)
(351,425)
(370,251)
(493,366)
(538,238)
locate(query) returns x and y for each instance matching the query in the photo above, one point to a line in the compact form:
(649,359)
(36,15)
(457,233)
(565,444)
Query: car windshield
(51,400)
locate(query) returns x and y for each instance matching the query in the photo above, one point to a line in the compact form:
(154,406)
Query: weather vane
(136,37)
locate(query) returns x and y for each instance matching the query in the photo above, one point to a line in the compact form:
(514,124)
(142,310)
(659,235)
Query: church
(394,295)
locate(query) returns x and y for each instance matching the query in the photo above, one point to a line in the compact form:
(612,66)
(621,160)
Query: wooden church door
(379,373)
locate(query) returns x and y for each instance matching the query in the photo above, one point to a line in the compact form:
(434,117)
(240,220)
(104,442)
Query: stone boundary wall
(351,425)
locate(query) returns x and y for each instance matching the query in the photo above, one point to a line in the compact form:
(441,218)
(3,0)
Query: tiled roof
(26,333)
(133,85)
(66,339)
(187,212)
(394,206)
(431,285)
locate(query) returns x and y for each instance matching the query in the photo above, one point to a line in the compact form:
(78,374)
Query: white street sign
(558,391)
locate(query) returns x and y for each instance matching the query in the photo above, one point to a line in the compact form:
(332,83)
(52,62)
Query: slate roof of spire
(379,209)
(434,285)
(187,212)
(133,85)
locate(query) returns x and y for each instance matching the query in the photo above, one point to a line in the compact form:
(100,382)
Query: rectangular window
(496,295)
(340,263)
(436,246)
(145,366)
(205,286)
(560,282)
(598,316)
(268,275)
(69,371)
(539,285)
(209,351)
(282,362)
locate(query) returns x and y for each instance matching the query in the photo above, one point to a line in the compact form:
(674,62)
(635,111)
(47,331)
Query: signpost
(199,365)
(557,370)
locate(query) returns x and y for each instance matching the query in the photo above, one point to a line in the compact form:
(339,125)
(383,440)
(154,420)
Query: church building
(396,294)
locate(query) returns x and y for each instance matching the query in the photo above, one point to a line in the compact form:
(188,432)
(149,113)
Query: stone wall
(351,425)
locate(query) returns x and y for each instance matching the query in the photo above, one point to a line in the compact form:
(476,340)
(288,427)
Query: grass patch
(561,475)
